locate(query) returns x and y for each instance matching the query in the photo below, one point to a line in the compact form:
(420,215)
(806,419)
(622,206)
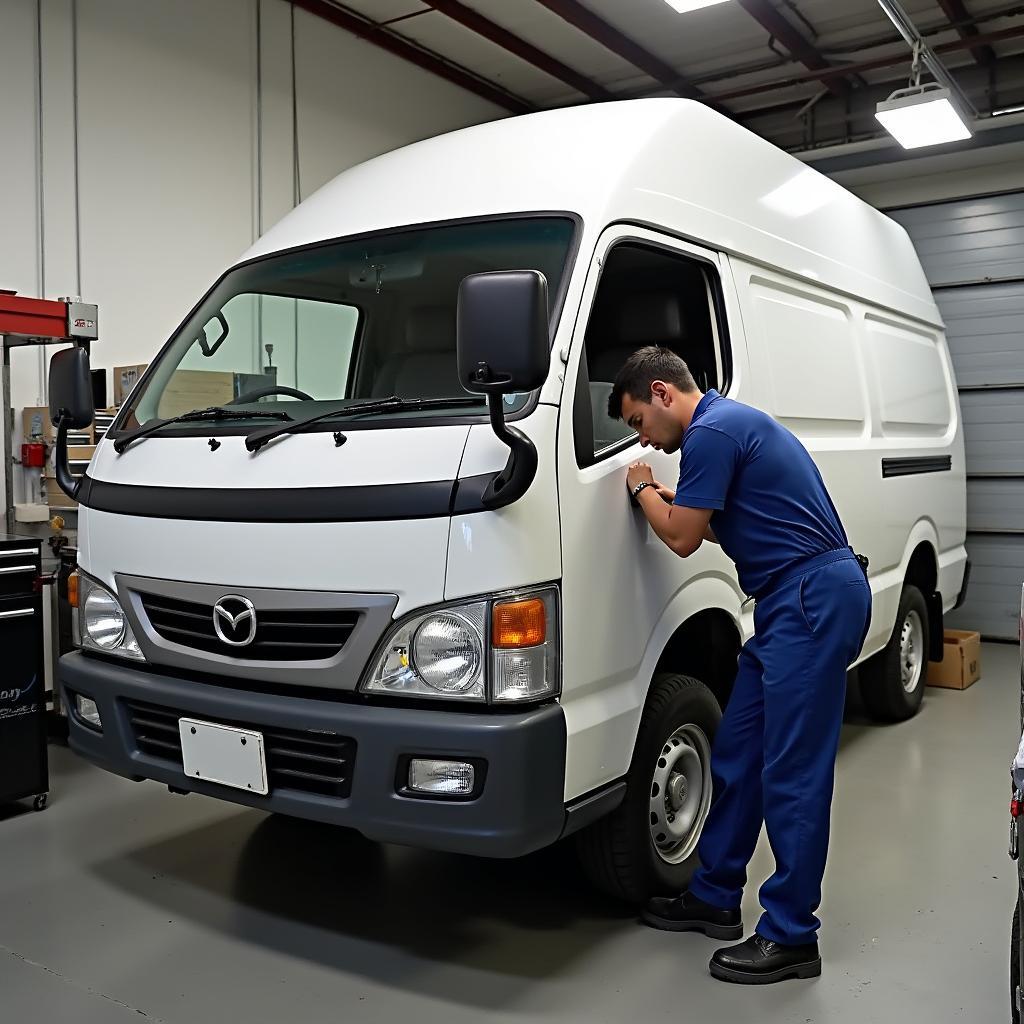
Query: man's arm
(668,495)
(682,529)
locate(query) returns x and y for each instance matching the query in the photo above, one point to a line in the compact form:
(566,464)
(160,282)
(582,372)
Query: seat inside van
(425,366)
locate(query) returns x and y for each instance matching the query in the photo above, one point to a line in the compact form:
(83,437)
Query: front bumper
(521,807)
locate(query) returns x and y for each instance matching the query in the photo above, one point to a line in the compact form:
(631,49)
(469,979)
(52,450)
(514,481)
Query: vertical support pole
(8,413)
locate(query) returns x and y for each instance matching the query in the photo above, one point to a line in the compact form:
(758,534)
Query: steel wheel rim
(911,652)
(680,794)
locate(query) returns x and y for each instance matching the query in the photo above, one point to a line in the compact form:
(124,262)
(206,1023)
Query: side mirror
(71,389)
(502,330)
(503,347)
(71,407)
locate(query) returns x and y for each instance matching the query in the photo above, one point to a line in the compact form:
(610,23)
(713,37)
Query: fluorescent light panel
(683,6)
(923,119)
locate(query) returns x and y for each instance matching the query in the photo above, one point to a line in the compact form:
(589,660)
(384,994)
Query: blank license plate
(220,753)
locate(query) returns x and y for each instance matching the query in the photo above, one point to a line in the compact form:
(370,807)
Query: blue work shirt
(771,508)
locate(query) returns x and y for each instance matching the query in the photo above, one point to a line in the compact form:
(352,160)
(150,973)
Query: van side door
(624,592)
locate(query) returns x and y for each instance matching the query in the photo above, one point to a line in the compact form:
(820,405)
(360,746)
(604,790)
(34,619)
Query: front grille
(306,634)
(302,760)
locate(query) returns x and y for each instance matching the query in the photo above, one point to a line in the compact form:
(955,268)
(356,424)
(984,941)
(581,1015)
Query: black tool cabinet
(23,763)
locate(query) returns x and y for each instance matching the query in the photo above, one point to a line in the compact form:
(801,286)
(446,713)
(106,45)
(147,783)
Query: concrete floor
(123,900)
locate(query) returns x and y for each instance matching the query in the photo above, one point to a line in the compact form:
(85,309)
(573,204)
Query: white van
(397,584)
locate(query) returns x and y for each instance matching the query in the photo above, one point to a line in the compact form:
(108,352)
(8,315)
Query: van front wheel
(648,845)
(893,680)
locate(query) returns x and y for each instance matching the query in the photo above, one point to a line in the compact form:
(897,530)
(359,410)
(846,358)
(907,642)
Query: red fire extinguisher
(33,455)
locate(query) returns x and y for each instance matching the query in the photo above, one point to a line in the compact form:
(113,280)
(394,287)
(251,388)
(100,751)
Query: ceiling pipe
(793,40)
(398,45)
(961,20)
(876,64)
(906,28)
(525,51)
(585,21)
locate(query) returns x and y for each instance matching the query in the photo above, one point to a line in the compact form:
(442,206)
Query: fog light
(88,711)
(441,778)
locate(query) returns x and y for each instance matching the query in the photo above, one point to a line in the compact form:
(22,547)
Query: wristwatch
(639,487)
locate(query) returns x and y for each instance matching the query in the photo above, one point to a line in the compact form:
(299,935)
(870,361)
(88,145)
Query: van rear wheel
(648,845)
(893,680)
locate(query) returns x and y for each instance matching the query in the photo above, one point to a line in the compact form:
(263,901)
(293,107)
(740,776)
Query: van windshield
(341,323)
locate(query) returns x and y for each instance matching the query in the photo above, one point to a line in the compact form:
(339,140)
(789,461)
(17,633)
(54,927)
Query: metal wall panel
(968,240)
(985,331)
(997,568)
(973,253)
(996,505)
(993,431)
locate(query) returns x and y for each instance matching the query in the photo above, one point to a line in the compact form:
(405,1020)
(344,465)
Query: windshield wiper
(214,413)
(258,438)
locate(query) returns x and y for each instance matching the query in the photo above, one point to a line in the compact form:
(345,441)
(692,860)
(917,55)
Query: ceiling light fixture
(922,115)
(684,6)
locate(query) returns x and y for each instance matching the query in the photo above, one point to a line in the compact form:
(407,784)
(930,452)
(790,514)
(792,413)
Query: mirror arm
(514,480)
(67,483)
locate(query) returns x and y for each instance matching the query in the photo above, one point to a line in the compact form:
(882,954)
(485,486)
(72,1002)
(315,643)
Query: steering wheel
(273,389)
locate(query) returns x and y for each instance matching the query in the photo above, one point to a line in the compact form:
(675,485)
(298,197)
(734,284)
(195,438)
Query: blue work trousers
(773,758)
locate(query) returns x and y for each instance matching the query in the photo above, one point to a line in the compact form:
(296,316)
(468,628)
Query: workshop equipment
(23,322)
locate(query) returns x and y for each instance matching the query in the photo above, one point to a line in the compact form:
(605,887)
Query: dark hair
(641,369)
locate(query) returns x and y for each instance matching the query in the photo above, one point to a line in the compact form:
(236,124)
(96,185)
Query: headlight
(501,650)
(102,623)
(439,654)
(447,652)
(104,619)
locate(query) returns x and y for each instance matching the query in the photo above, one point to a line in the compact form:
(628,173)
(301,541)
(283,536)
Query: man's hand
(682,529)
(637,474)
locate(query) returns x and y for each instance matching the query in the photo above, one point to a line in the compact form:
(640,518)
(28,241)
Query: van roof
(671,164)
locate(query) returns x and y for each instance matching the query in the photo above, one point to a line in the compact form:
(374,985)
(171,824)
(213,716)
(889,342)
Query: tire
(619,854)
(1014,963)
(893,680)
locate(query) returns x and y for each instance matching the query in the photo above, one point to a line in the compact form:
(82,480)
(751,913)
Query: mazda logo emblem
(234,620)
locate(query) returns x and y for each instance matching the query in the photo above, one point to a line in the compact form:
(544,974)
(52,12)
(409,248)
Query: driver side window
(646,295)
(258,342)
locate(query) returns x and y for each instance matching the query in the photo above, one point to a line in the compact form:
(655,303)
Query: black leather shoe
(759,961)
(686,913)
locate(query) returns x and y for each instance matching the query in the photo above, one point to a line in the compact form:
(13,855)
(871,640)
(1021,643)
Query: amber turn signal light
(519,624)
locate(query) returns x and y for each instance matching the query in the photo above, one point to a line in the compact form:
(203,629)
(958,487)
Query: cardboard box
(56,498)
(35,423)
(196,389)
(79,456)
(31,513)
(961,661)
(125,378)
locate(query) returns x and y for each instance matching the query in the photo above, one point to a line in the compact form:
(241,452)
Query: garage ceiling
(761,61)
